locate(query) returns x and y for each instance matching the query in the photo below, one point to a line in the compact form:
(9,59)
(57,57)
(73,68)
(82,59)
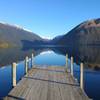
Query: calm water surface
(53,56)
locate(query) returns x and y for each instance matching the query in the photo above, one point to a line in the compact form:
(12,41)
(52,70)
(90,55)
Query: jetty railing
(14,65)
(72,70)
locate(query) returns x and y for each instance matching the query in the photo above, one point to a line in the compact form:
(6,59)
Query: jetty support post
(72,64)
(26,64)
(81,76)
(14,74)
(32,58)
(66,62)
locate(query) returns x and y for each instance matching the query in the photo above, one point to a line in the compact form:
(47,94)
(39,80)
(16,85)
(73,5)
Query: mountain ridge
(12,36)
(86,33)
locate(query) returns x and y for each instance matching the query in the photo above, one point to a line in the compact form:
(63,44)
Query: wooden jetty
(47,83)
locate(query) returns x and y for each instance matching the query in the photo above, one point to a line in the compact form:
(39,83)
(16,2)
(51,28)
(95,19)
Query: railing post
(26,64)
(66,62)
(72,62)
(81,76)
(32,56)
(14,74)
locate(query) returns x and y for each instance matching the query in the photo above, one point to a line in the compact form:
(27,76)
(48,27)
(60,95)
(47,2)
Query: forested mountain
(86,33)
(12,36)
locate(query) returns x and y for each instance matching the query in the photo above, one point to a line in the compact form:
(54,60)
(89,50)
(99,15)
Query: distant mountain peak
(15,26)
(91,23)
(46,37)
(86,33)
(16,36)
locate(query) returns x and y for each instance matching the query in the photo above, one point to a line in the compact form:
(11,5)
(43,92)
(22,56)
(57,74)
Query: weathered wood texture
(47,83)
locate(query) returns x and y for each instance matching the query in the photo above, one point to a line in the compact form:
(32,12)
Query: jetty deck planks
(47,83)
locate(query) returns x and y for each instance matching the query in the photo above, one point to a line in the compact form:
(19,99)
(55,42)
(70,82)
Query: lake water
(53,56)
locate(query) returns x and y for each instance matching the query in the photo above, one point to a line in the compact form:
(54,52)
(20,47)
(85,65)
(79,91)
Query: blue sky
(48,18)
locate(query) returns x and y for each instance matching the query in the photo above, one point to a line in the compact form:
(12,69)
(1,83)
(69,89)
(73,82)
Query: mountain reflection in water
(90,55)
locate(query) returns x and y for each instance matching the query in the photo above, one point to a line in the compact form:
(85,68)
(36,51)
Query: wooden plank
(47,83)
